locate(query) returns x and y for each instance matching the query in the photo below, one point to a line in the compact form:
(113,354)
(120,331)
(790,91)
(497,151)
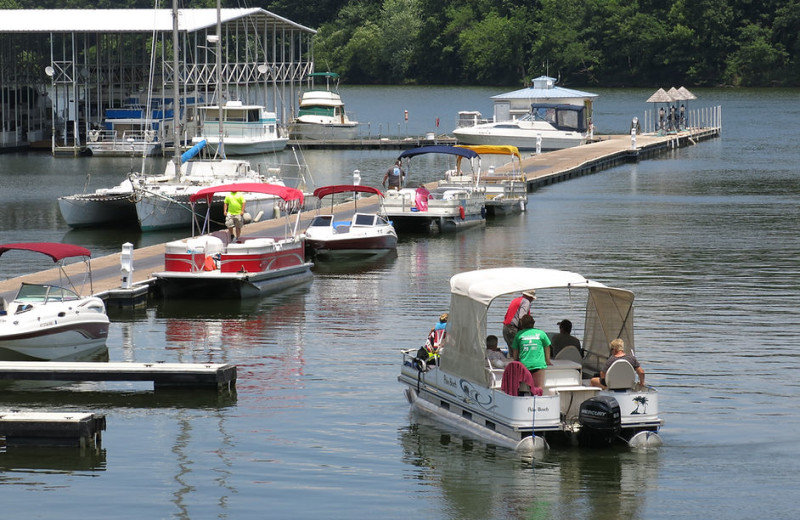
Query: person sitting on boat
(234,214)
(518,308)
(495,356)
(563,338)
(531,347)
(617,348)
(395,175)
(430,352)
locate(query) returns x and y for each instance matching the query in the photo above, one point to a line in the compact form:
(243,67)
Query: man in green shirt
(234,213)
(531,347)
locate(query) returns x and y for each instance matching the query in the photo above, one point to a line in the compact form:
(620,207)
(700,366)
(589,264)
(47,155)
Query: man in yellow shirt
(234,213)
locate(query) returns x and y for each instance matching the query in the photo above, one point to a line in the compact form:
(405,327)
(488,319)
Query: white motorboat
(46,322)
(446,209)
(540,117)
(466,391)
(209,266)
(505,185)
(245,129)
(362,234)
(321,115)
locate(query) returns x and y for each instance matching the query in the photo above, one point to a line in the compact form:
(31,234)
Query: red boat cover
(249,187)
(324,191)
(53,250)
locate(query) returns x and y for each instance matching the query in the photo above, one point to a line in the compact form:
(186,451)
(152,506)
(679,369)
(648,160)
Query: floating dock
(218,377)
(51,428)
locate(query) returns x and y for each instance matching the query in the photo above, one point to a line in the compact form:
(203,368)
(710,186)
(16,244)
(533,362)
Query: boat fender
(149,135)
(94,135)
(461,212)
(483,212)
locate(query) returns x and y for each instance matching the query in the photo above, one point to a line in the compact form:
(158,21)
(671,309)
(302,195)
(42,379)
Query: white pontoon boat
(464,390)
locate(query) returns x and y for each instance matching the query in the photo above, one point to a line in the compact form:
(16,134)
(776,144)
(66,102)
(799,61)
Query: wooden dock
(163,375)
(541,170)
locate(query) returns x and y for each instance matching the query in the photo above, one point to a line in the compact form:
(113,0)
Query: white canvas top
(126,20)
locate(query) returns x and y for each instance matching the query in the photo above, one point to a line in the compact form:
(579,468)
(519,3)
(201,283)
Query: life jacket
(512,310)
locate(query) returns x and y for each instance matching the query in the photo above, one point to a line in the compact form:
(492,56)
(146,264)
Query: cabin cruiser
(445,209)
(465,390)
(213,266)
(322,115)
(362,234)
(245,129)
(540,117)
(46,322)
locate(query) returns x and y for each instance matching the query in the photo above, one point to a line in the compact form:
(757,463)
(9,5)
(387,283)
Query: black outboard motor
(600,422)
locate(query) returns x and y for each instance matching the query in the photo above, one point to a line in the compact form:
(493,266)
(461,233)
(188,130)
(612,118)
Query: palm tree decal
(640,400)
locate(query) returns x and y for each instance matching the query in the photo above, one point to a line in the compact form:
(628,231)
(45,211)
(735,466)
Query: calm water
(706,236)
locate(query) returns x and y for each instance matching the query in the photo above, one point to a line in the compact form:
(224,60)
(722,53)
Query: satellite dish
(50,71)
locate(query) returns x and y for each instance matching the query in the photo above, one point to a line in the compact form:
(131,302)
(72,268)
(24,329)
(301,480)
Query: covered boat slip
(81,62)
(467,390)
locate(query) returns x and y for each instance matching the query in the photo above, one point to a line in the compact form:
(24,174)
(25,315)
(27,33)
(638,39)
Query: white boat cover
(609,315)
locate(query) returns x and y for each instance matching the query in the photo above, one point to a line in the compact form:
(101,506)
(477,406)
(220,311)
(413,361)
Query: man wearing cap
(519,307)
(564,338)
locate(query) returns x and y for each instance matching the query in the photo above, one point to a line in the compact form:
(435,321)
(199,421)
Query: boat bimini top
(609,315)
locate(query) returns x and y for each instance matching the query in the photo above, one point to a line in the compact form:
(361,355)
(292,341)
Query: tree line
(604,43)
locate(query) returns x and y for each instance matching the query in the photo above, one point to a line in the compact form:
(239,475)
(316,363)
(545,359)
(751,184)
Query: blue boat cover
(450,150)
(191,152)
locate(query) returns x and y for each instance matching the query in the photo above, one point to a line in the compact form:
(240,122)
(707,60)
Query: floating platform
(163,375)
(78,429)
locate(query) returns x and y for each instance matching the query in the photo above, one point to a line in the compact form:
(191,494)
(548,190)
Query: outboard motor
(600,421)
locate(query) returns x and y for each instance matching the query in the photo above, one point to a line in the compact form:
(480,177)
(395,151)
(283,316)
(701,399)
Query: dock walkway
(543,169)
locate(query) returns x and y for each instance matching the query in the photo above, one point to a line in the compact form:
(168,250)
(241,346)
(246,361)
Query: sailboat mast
(221,145)
(176,97)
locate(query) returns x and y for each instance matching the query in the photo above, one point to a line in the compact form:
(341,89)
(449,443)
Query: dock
(81,429)
(540,170)
(213,376)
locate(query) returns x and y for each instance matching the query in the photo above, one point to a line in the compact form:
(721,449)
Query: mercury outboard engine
(600,421)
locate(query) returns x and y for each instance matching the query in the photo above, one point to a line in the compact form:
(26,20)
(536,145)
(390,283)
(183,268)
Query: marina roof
(544,87)
(131,20)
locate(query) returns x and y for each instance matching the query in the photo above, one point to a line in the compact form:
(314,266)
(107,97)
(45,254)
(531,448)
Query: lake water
(706,236)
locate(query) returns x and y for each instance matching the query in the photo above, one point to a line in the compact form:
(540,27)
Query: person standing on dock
(395,175)
(234,213)
(519,307)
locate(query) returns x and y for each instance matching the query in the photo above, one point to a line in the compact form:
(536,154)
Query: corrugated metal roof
(128,20)
(552,92)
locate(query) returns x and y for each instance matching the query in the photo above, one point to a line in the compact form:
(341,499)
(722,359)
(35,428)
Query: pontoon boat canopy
(54,250)
(324,191)
(249,187)
(450,150)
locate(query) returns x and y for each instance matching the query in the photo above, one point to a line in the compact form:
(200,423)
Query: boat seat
(620,375)
(570,353)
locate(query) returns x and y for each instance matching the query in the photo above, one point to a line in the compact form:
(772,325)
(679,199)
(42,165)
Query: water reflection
(479,481)
(18,460)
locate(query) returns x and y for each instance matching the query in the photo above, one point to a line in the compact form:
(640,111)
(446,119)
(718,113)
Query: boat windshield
(362,219)
(316,111)
(44,293)
(321,221)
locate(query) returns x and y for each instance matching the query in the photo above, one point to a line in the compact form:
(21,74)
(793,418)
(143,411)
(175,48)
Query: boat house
(63,69)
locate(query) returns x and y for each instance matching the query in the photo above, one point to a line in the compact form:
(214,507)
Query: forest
(604,43)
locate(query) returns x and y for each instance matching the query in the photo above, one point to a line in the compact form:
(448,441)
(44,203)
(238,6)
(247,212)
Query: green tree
(493,49)
(757,60)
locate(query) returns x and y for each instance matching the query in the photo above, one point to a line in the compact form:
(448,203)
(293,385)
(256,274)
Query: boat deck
(540,170)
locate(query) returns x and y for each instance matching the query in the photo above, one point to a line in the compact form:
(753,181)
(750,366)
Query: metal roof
(132,20)
(544,88)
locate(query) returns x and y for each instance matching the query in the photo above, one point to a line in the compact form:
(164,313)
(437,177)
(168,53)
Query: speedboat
(363,234)
(505,185)
(466,391)
(245,129)
(46,322)
(445,209)
(211,266)
(540,117)
(321,115)
(104,207)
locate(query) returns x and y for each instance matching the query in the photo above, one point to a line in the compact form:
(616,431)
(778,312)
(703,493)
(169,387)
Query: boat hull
(233,286)
(323,131)
(351,247)
(156,212)
(98,210)
(237,147)
(123,149)
(522,139)
(449,215)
